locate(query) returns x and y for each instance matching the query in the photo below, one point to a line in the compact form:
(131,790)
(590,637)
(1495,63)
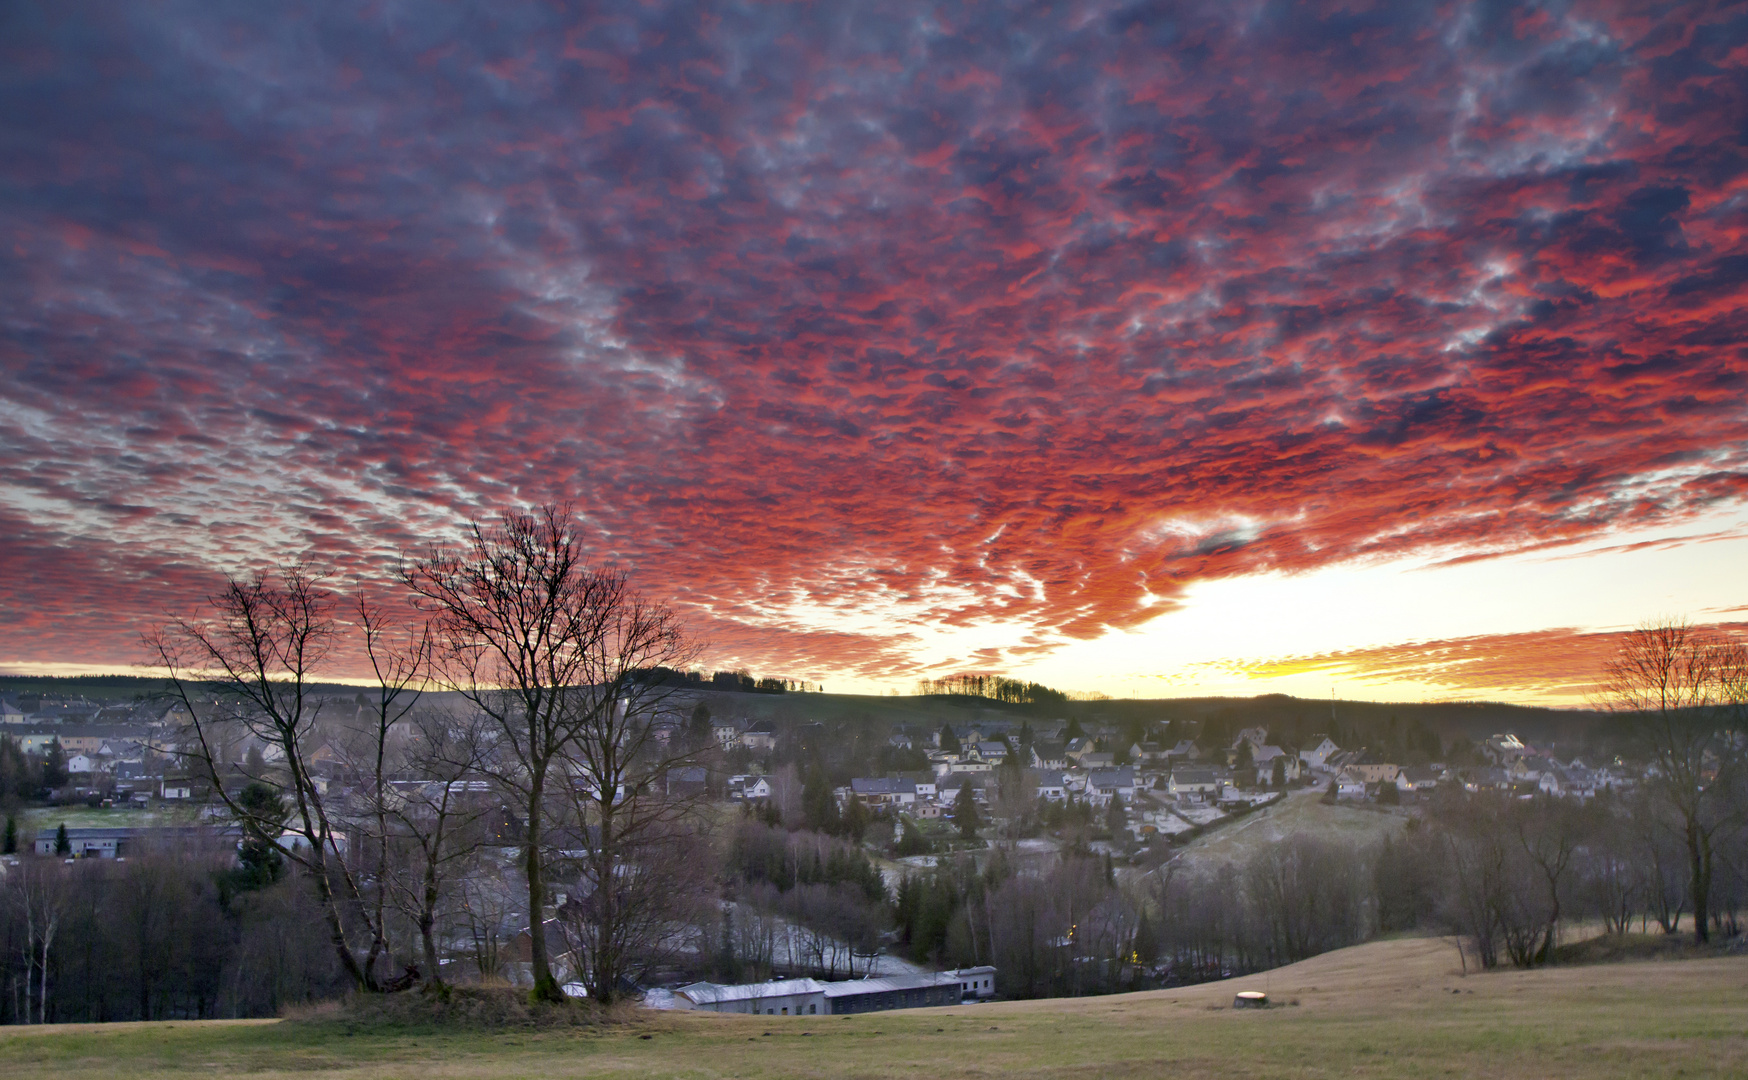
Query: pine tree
(63,844)
(1145,949)
(949,741)
(1116,818)
(965,813)
(855,820)
(54,765)
(10,846)
(818,808)
(698,728)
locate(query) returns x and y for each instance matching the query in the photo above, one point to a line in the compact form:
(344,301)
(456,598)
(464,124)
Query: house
(923,782)
(1349,784)
(948,790)
(726,733)
(1265,758)
(1077,749)
(883,791)
(760,736)
(1102,785)
(1417,778)
(81,763)
(10,713)
(1257,737)
(1049,755)
(1488,778)
(1317,756)
(1098,759)
(1050,784)
(688,780)
(1503,748)
(1367,765)
(1195,785)
(749,787)
(993,752)
(966,764)
(178,787)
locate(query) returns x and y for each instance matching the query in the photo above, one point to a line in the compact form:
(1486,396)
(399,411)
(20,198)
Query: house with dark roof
(1102,785)
(1193,785)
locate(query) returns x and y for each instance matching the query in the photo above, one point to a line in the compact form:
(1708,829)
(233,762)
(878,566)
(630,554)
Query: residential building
(1194,785)
(1317,755)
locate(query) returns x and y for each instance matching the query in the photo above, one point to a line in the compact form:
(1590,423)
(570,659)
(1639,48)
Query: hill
(1387,1009)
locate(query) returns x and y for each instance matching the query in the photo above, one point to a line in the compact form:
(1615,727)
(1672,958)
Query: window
(812,1009)
(785,1010)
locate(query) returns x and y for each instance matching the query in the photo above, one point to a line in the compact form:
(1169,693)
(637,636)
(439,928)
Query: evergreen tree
(855,820)
(818,809)
(10,845)
(911,841)
(1145,949)
(260,860)
(949,741)
(1117,818)
(698,728)
(1278,778)
(1073,730)
(965,813)
(63,844)
(54,765)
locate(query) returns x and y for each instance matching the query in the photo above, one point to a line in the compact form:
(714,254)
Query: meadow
(1386,1009)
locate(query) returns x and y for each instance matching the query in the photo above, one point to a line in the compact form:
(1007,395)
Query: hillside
(1387,1009)
(1470,720)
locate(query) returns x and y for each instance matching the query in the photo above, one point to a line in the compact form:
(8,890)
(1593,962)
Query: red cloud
(909,321)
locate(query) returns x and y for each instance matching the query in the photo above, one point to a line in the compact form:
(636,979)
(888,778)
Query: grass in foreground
(1389,1009)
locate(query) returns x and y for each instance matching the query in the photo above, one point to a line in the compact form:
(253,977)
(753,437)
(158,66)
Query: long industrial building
(811,997)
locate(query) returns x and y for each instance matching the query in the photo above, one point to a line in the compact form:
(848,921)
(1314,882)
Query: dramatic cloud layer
(847,324)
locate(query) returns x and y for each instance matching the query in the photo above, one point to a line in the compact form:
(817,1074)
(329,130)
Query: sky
(1390,350)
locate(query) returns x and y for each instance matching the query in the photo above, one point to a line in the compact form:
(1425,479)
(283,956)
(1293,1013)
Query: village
(126,755)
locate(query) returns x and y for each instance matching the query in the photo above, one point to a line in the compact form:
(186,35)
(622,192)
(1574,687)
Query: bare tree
(434,819)
(552,650)
(246,666)
(39,893)
(1686,689)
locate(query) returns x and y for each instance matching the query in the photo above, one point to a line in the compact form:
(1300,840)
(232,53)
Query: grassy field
(1388,1009)
(1302,813)
(31,821)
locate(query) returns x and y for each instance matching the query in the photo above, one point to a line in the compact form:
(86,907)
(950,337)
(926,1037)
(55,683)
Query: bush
(493,1008)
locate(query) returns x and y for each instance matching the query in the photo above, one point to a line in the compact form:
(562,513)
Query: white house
(1198,785)
(1104,784)
(1317,756)
(1265,758)
(749,787)
(883,791)
(1051,787)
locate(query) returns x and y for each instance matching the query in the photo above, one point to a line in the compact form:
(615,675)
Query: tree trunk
(1699,861)
(546,987)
